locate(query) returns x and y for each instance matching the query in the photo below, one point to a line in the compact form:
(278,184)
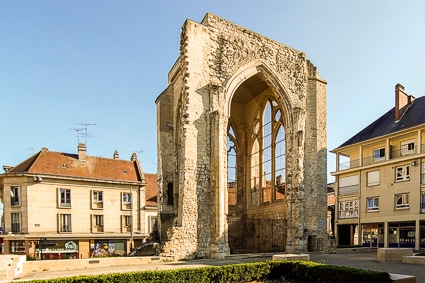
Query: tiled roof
(386,124)
(151,189)
(68,165)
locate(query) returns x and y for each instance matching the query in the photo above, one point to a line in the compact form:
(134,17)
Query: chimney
(7,168)
(133,157)
(116,155)
(82,151)
(402,101)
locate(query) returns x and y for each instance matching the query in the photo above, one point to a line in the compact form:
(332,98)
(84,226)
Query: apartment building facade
(379,180)
(64,206)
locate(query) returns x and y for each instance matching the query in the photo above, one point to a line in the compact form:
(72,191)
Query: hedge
(301,271)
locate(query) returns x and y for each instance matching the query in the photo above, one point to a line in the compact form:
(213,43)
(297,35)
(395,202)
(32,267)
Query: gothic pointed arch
(236,117)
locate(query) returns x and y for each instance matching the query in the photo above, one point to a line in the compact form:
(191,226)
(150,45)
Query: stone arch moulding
(259,67)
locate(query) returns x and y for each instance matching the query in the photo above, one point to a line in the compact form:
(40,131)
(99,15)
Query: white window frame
(15,193)
(97,199)
(126,223)
(402,173)
(423,202)
(65,222)
(97,223)
(98,220)
(407,147)
(379,154)
(372,204)
(348,209)
(401,201)
(126,200)
(65,201)
(127,220)
(97,196)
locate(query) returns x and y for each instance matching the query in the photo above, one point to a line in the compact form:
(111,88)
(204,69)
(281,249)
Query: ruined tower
(241,132)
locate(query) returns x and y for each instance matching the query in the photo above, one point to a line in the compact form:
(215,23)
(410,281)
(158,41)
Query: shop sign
(69,247)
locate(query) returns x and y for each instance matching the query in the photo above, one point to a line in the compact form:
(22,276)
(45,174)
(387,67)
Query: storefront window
(56,249)
(401,235)
(105,248)
(17,247)
(373,235)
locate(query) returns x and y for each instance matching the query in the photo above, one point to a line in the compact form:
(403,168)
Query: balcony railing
(372,160)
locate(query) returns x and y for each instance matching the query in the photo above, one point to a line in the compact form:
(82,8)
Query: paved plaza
(358,260)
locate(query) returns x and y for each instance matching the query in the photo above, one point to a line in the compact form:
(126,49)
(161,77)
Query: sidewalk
(369,261)
(357,260)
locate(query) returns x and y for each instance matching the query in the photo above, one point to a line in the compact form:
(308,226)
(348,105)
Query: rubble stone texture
(223,78)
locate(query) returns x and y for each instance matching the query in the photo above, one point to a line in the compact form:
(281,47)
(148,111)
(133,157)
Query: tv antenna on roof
(139,153)
(82,132)
(85,134)
(79,134)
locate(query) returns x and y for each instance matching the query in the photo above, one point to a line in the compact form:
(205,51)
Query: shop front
(47,249)
(401,234)
(17,247)
(105,247)
(373,235)
(422,235)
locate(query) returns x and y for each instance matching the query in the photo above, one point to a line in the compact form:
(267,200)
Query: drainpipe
(131,219)
(138,210)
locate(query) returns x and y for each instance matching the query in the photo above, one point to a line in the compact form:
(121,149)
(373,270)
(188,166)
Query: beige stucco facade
(380,188)
(77,216)
(232,85)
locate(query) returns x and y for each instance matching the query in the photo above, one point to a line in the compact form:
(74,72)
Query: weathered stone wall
(216,58)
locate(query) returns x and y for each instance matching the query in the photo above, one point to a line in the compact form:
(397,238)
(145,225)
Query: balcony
(369,160)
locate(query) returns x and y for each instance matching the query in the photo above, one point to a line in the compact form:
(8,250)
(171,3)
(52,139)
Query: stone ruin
(242,146)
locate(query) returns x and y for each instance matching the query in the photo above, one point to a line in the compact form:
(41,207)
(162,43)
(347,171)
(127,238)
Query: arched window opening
(268,156)
(266,183)
(231,168)
(255,172)
(280,158)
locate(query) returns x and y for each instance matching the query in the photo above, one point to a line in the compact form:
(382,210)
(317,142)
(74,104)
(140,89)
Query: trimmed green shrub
(300,271)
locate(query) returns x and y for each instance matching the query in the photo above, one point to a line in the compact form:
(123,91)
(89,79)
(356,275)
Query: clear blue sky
(104,62)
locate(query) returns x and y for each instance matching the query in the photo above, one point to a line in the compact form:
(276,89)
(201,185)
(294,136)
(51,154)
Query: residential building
(59,205)
(379,177)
